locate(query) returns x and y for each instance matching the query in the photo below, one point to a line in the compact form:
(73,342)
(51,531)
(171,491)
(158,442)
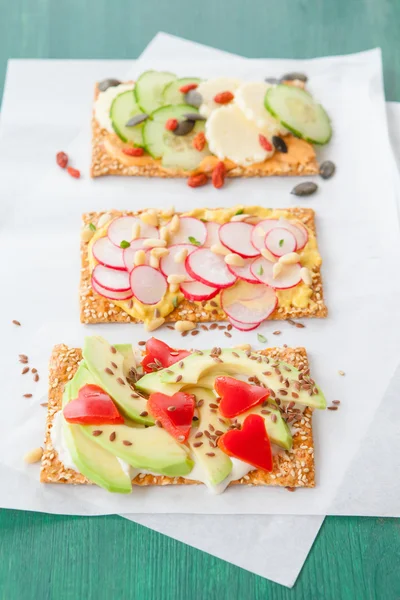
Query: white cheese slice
(250,99)
(210,88)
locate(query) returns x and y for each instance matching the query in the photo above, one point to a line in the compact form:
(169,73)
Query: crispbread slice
(97,309)
(107,159)
(291,469)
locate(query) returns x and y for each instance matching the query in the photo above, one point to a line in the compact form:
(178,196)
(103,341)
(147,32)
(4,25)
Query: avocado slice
(278,432)
(129,358)
(151,449)
(217,467)
(233,362)
(99,356)
(95,463)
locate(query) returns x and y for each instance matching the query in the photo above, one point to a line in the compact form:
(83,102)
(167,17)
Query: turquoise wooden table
(109,557)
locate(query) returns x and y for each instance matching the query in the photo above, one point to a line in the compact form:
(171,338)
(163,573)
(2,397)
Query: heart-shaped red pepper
(165,356)
(175,413)
(92,407)
(238,396)
(250,444)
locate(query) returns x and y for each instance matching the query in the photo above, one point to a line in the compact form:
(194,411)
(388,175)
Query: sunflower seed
(327,169)
(194,117)
(194,98)
(305,189)
(184,127)
(106,83)
(293,76)
(136,120)
(279,143)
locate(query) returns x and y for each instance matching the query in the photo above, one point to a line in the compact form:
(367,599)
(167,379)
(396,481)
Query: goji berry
(188,87)
(218,175)
(133,151)
(199,141)
(171,124)
(223,97)
(62,159)
(198,180)
(264,143)
(74,172)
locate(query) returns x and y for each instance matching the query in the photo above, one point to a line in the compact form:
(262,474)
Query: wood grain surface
(45,557)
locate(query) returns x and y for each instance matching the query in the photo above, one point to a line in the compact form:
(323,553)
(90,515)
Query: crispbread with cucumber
(241,264)
(164,126)
(220,417)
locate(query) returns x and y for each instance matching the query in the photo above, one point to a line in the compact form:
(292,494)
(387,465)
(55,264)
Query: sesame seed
(332,407)
(113,435)
(227,334)
(97,432)
(36,377)
(126,443)
(120,381)
(178,378)
(197,444)
(335,401)
(24,370)
(107,370)
(113,350)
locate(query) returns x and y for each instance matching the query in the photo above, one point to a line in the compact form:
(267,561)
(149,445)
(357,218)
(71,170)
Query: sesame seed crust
(96,309)
(291,469)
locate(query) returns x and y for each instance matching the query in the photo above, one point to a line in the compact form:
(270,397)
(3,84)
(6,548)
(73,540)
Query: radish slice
(236,236)
(212,234)
(244,272)
(197,291)
(289,277)
(109,294)
(249,303)
(209,268)
(259,231)
(121,229)
(280,241)
(168,266)
(243,326)
(192,228)
(129,253)
(148,284)
(111,279)
(107,254)
(298,230)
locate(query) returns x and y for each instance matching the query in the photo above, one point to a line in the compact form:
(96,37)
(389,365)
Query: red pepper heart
(175,413)
(250,444)
(166,356)
(92,407)
(238,396)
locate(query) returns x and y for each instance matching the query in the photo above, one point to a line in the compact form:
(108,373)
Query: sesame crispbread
(294,468)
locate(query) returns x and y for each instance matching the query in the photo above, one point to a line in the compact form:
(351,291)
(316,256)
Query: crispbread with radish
(206,271)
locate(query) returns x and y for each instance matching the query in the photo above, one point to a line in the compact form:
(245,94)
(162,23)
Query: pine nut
(159,252)
(239,218)
(174,224)
(260,231)
(154,324)
(140,258)
(33,456)
(105,218)
(184,326)
(235,260)
(164,234)
(149,217)
(168,212)
(181,256)
(154,261)
(87,234)
(306,275)
(136,231)
(219,249)
(268,255)
(277,270)
(176,278)
(154,243)
(173,288)
(244,347)
(289,259)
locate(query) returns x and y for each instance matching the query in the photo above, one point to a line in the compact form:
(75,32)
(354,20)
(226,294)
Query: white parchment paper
(358,239)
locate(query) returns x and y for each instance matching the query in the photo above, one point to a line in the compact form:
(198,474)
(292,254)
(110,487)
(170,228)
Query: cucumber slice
(122,109)
(175,151)
(171,93)
(149,88)
(299,113)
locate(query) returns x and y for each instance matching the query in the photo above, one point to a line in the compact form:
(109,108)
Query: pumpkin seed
(305,189)
(136,120)
(293,76)
(327,169)
(194,98)
(272,80)
(106,83)
(184,127)
(194,117)
(279,143)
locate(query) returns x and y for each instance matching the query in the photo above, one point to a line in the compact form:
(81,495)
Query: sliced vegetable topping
(127,118)
(243,326)
(209,268)
(170,265)
(148,284)
(149,89)
(174,92)
(238,396)
(111,279)
(236,236)
(107,254)
(191,231)
(175,413)
(248,302)
(156,350)
(92,407)
(124,228)
(280,241)
(197,291)
(288,277)
(250,444)
(111,295)
(244,272)
(212,234)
